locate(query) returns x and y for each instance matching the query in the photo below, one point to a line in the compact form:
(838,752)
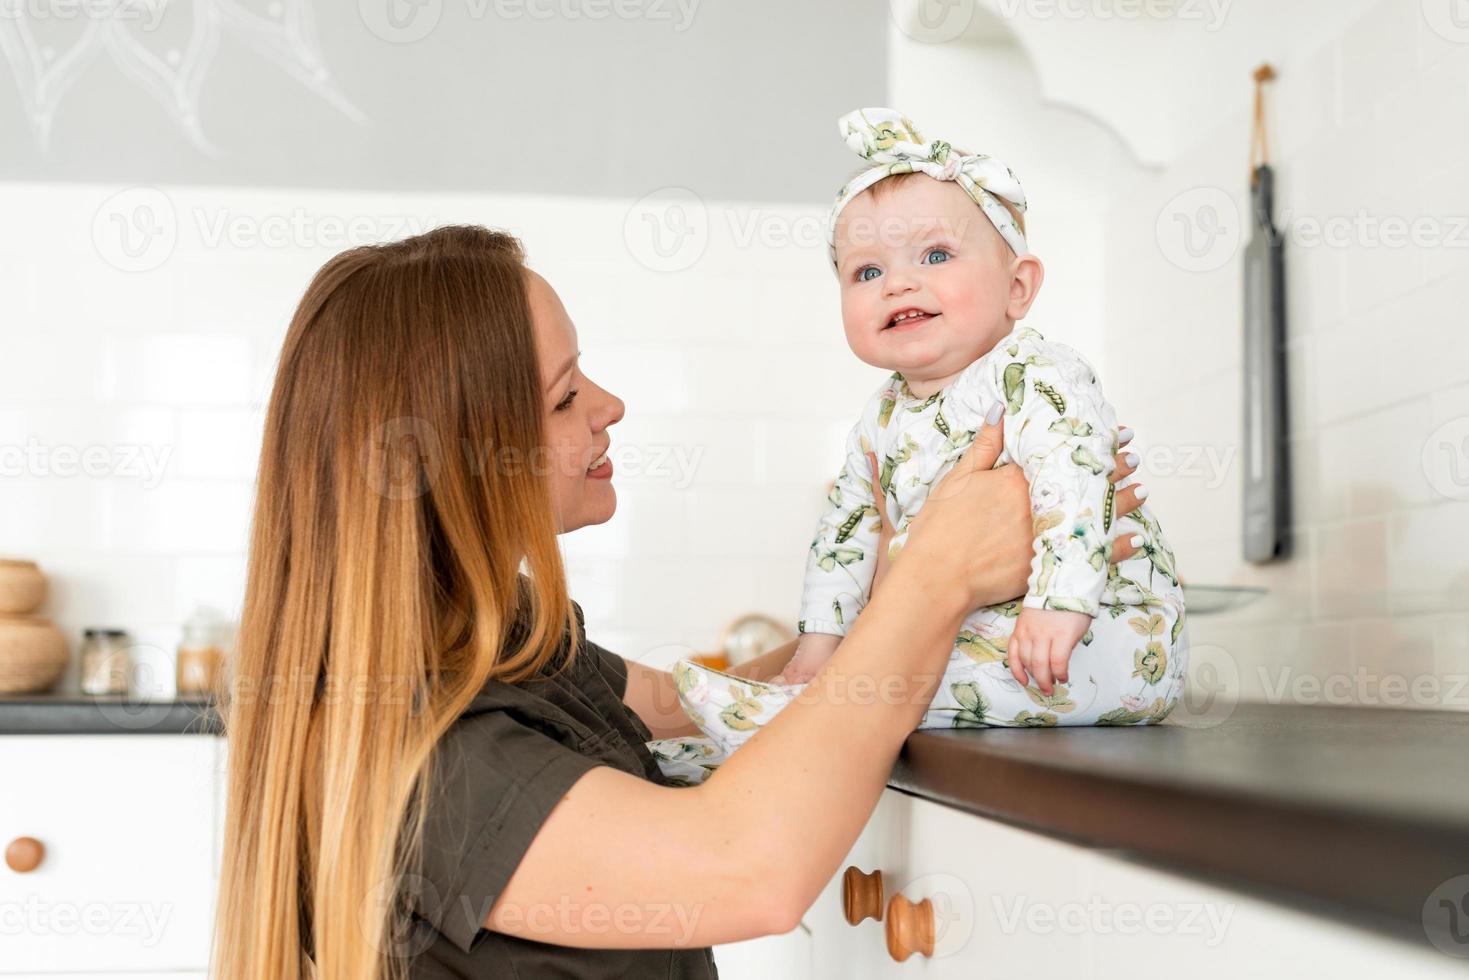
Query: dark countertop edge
(1313,858)
(78,714)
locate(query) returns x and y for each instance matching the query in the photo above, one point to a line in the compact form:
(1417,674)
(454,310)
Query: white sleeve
(1063,433)
(843,555)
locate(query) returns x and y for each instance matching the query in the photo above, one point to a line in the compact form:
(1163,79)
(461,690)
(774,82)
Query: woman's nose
(613,410)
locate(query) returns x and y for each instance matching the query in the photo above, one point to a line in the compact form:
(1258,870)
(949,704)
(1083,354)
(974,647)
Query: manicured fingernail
(993,415)
(1140,492)
(1124,433)
(1132,459)
(1136,540)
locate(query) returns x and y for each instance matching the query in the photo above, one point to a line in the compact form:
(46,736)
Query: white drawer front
(128,880)
(1018,903)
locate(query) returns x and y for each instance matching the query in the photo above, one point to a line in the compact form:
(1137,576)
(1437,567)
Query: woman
(432,773)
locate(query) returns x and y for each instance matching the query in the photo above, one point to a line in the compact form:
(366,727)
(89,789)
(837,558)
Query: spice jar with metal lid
(106,662)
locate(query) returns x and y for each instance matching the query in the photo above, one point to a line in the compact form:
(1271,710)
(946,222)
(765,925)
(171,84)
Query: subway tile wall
(1371,134)
(133,382)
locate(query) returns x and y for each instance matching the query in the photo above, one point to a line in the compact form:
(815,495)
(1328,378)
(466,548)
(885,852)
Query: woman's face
(577,414)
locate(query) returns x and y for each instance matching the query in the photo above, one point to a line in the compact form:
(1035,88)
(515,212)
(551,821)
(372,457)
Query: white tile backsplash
(1370,127)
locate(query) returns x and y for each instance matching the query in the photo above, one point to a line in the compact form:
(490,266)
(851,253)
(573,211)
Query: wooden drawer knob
(25,854)
(909,928)
(861,895)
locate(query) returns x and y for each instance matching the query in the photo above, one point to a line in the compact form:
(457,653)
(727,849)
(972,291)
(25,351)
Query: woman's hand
(1010,520)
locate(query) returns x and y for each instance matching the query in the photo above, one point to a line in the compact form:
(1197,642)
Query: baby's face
(922,247)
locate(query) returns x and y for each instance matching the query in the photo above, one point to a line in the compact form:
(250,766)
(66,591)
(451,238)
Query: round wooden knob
(25,854)
(909,928)
(861,895)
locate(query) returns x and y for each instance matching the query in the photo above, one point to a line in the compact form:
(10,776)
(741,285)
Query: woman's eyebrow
(564,368)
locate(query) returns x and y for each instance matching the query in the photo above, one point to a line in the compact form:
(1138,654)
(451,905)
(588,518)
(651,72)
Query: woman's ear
(1026,275)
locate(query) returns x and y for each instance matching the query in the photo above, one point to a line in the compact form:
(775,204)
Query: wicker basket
(22,587)
(33,654)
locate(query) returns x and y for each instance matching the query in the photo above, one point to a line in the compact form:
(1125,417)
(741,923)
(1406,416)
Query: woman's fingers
(885,533)
(981,455)
(1127,463)
(1125,547)
(1128,499)
(1124,435)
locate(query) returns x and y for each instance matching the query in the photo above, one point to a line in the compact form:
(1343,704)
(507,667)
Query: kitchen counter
(1356,812)
(83,714)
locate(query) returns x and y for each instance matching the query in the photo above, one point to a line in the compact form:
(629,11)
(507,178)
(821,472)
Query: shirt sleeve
(498,779)
(843,555)
(1063,433)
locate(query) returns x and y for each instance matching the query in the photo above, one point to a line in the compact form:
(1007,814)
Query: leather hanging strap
(1260,141)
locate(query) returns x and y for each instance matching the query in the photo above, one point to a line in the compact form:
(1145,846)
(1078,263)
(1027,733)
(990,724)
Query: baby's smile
(909,318)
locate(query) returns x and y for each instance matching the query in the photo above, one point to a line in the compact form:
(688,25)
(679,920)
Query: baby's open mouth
(909,318)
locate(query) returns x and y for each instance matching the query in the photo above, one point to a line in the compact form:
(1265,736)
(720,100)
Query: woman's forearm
(805,785)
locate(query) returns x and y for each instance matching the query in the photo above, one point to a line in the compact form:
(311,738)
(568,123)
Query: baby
(930,250)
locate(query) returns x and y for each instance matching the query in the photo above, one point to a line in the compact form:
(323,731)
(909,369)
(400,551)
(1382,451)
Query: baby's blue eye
(936,256)
(862,275)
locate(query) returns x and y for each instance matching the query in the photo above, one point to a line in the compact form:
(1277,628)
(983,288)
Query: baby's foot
(792,675)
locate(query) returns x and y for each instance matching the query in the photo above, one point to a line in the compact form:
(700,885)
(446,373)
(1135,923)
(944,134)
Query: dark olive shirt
(505,763)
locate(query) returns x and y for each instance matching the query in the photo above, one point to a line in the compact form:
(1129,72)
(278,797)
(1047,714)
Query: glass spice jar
(106,663)
(200,656)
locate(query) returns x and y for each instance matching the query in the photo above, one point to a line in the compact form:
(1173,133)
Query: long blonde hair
(386,552)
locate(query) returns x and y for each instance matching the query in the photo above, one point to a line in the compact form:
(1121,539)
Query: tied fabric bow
(889,140)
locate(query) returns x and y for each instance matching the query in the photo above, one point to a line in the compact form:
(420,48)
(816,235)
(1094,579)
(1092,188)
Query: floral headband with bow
(889,140)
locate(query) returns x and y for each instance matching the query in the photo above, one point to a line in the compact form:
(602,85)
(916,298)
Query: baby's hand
(1042,644)
(813,650)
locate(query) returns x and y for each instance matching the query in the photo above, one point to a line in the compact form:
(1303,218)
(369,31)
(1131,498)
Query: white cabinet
(1010,902)
(127,883)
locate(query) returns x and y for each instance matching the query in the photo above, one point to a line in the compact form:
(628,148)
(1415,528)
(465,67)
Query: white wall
(1371,124)
(731,361)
